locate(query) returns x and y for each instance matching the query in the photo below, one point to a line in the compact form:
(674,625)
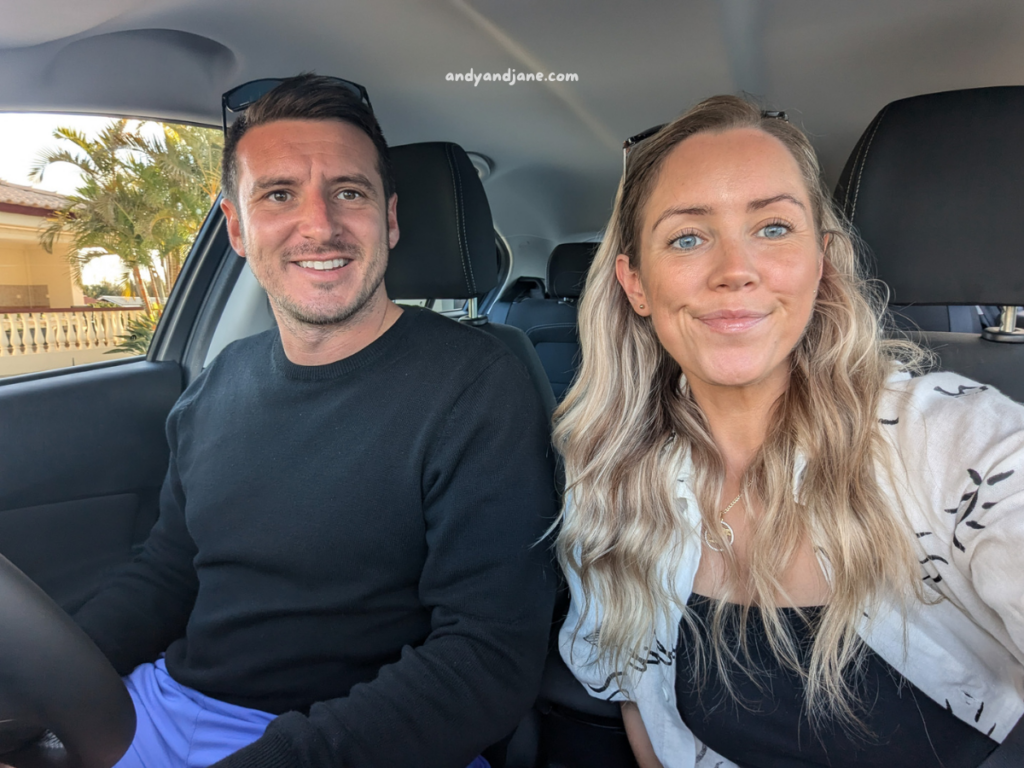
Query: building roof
(129,302)
(16,195)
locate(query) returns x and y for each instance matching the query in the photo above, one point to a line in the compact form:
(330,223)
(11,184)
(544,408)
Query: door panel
(83,457)
(83,539)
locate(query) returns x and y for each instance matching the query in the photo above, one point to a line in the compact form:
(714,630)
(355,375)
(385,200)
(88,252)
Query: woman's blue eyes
(774,231)
(688,242)
(691,240)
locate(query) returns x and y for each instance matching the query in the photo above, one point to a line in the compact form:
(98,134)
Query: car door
(84,450)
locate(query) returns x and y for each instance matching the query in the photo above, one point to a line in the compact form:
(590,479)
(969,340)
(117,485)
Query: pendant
(727,534)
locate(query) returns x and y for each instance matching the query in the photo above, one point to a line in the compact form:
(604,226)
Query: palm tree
(187,159)
(141,198)
(112,212)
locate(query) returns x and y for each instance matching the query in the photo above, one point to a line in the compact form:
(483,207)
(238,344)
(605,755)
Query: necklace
(727,532)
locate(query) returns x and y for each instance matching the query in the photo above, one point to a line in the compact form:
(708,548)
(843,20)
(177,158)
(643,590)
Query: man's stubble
(293,313)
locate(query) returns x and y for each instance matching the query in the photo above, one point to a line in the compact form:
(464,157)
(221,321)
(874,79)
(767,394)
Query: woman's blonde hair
(626,424)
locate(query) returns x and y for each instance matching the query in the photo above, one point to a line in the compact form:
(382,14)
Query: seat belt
(1009,754)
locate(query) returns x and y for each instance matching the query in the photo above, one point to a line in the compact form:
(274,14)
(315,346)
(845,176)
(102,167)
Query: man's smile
(323,265)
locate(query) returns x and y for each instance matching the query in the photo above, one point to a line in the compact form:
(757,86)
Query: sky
(23,138)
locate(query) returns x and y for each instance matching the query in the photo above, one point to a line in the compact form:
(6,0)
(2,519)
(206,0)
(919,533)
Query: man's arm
(145,605)
(488,497)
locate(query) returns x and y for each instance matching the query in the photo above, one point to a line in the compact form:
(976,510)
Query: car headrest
(934,186)
(446,244)
(567,269)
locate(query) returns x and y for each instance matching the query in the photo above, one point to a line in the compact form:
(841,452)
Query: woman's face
(729,258)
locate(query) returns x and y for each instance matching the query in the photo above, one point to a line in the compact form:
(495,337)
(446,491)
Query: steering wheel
(52,677)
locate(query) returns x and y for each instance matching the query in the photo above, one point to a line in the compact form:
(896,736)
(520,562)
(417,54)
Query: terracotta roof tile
(16,194)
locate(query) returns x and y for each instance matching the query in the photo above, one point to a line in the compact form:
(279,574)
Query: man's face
(311,218)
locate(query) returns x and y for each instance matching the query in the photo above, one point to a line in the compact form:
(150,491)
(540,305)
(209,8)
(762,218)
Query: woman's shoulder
(945,396)
(948,431)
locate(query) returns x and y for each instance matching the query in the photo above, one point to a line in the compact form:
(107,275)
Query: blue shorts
(177,726)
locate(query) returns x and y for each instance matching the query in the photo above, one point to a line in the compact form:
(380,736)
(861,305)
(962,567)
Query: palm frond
(140,198)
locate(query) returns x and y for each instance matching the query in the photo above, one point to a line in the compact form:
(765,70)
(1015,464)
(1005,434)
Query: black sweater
(350,546)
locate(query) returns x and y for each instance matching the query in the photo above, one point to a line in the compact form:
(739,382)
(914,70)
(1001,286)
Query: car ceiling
(556,148)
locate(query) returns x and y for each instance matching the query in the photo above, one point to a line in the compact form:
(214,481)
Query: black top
(771,728)
(358,534)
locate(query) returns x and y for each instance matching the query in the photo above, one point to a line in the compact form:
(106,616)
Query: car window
(96,218)
(449,307)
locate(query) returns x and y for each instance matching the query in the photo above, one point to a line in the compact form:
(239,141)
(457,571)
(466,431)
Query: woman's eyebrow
(756,205)
(693,210)
(705,210)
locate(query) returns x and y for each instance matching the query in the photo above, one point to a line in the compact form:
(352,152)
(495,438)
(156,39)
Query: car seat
(934,187)
(446,244)
(550,322)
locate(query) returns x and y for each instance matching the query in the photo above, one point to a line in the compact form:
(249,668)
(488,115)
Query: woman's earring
(641,306)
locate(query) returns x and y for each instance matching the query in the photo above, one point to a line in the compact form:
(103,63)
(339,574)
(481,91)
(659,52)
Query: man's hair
(305,97)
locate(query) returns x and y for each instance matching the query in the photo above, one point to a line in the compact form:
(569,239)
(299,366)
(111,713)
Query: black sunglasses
(241,97)
(632,141)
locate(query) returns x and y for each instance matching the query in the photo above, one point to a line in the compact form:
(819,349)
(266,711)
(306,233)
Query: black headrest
(446,244)
(935,186)
(567,269)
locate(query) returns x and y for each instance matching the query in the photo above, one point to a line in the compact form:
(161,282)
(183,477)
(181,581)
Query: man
(343,571)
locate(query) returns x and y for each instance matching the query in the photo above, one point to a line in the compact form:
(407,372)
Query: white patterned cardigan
(958,464)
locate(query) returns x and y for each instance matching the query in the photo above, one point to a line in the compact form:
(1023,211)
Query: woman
(784,547)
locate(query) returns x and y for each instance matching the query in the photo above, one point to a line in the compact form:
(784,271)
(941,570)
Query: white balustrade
(38,332)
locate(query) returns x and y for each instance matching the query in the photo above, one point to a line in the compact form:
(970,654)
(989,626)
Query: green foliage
(95,290)
(142,199)
(182,171)
(140,334)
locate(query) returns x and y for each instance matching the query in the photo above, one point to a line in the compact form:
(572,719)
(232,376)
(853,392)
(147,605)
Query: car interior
(547,313)
(929,187)
(504,188)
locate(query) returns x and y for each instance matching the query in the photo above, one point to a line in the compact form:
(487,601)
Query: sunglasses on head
(241,97)
(632,141)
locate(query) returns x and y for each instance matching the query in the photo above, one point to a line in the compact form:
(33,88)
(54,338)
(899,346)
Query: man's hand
(24,746)
(15,734)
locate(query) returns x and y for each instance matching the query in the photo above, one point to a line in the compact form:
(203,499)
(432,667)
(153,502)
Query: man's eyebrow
(271,182)
(694,210)
(261,185)
(756,205)
(356,179)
